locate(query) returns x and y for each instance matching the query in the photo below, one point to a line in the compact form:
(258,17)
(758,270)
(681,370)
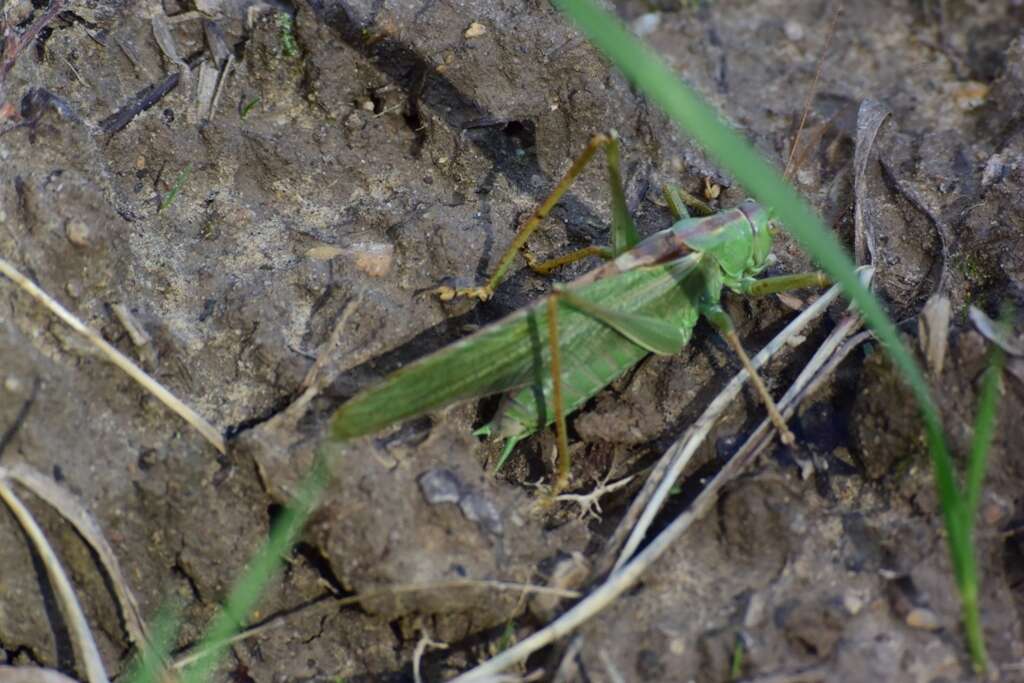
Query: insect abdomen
(588,368)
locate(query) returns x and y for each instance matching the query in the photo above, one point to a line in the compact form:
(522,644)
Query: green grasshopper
(550,358)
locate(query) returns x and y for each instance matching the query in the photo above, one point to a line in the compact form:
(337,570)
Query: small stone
(853,603)
(971,94)
(755,611)
(646,24)
(923,618)
(995,510)
(374,259)
(475,30)
(12,384)
(476,507)
(73,288)
(210,8)
(794,30)
(440,486)
(140,162)
(78,233)
(995,170)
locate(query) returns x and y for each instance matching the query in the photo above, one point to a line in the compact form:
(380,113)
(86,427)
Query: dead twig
(140,102)
(94,670)
(211,433)
(68,507)
(569,668)
(14,44)
(224,73)
(609,667)
(870,117)
(671,465)
(424,642)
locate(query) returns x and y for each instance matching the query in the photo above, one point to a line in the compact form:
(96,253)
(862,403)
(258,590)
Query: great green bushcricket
(548,359)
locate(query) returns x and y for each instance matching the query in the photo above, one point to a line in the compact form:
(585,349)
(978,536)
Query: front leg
(784,283)
(624,233)
(723,323)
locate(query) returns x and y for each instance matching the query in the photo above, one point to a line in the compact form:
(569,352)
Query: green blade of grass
(662,86)
(149,664)
(984,429)
(963,549)
(248,588)
(262,568)
(736,665)
(179,183)
(248,107)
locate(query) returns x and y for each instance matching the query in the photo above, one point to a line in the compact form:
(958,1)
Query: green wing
(648,332)
(505,355)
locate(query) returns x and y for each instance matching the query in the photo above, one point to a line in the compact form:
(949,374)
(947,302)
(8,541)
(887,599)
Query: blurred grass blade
(179,183)
(262,568)
(981,444)
(247,589)
(984,430)
(149,664)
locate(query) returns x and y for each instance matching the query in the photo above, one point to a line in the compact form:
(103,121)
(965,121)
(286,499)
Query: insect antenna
(790,165)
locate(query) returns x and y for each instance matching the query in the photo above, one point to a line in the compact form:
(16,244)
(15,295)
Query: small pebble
(374,259)
(440,486)
(853,603)
(476,507)
(12,384)
(78,233)
(646,24)
(755,611)
(995,510)
(475,30)
(794,30)
(73,288)
(995,170)
(923,618)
